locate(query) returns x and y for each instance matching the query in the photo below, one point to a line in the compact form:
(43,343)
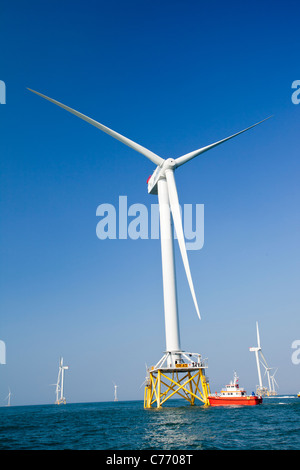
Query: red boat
(234,395)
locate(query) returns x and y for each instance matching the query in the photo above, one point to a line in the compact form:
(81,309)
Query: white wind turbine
(273,383)
(267,372)
(271,379)
(261,390)
(59,391)
(162,183)
(8,397)
(256,350)
(115,392)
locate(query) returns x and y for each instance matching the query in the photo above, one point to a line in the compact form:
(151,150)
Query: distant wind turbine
(260,359)
(115,392)
(8,397)
(273,383)
(59,391)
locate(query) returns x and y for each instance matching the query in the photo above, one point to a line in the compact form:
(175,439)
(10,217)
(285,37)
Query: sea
(175,429)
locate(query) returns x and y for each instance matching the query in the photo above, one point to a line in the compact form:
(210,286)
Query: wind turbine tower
(59,391)
(177,372)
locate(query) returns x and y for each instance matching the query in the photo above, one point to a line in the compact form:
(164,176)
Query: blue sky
(172,76)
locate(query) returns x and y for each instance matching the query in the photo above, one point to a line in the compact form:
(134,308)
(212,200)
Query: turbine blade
(174,203)
(185,158)
(264,359)
(257,334)
(139,148)
(263,364)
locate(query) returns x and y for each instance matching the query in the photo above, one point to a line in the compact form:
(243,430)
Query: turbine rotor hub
(169,164)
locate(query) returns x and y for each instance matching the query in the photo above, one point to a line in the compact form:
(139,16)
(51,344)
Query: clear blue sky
(172,76)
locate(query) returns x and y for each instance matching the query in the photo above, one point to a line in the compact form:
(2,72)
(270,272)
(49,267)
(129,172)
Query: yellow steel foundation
(162,384)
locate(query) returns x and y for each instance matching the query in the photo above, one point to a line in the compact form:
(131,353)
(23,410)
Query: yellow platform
(184,381)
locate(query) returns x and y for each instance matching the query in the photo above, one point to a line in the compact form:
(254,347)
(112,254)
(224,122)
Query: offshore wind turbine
(273,384)
(267,372)
(59,391)
(175,360)
(257,350)
(115,392)
(271,380)
(8,397)
(260,358)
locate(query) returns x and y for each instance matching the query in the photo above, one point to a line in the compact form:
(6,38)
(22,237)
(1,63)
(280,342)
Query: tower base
(61,401)
(265,392)
(177,374)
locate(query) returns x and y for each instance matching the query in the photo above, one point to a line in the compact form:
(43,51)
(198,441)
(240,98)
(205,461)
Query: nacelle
(158,173)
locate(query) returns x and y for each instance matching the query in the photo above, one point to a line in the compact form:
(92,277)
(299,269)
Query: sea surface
(125,425)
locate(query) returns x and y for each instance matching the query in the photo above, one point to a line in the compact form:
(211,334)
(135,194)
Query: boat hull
(234,401)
